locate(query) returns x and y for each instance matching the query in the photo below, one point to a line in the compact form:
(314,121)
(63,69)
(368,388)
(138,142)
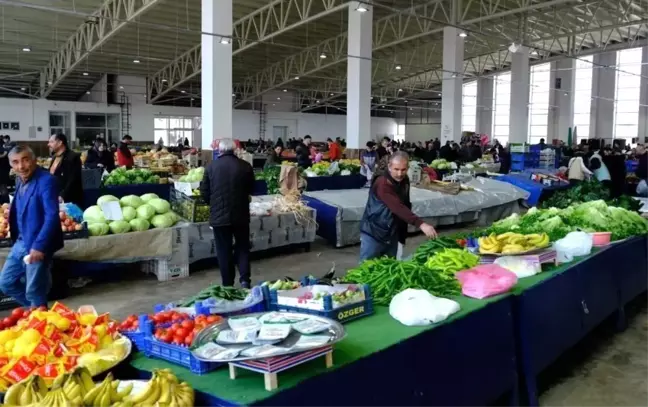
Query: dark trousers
(227,251)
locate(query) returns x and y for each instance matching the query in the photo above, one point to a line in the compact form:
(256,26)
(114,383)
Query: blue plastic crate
(517,166)
(258,307)
(631,165)
(137,337)
(172,353)
(342,314)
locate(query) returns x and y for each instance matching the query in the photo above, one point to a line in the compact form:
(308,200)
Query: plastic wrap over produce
(488,193)
(266,232)
(221,305)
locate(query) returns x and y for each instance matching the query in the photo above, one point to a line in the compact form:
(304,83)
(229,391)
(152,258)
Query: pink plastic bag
(485,281)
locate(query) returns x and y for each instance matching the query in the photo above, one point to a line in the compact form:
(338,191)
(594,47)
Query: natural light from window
(469,107)
(628,85)
(539,79)
(583,96)
(502,109)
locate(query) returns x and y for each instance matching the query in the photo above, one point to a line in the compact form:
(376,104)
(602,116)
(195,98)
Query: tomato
(177,318)
(131,318)
(135,324)
(8,322)
(124,326)
(159,333)
(17,312)
(188,340)
(178,340)
(213,318)
(168,337)
(176,326)
(187,324)
(2,326)
(26,314)
(181,332)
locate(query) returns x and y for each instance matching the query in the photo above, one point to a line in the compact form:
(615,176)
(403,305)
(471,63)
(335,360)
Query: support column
(519,113)
(359,75)
(216,75)
(561,99)
(603,89)
(451,87)
(485,99)
(643,98)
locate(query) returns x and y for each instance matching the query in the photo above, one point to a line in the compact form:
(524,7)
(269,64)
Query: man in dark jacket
(389,211)
(302,153)
(99,156)
(227,189)
(66,167)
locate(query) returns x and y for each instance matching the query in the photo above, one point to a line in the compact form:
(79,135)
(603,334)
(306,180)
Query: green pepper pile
(387,277)
(216,291)
(430,247)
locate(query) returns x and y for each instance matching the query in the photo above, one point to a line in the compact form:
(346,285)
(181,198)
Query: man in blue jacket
(35,230)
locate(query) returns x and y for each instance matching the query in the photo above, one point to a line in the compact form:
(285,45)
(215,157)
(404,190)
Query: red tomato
(213,318)
(26,314)
(159,333)
(17,312)
(188,340)
(187,324)
(178,340)
(135,324)
(181,332)
(176,326)
(2,326)
(168,337)
(8,322)
(131,318)
(177,318)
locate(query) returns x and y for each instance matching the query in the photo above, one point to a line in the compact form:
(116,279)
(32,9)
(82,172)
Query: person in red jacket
(334,150)
(124,156)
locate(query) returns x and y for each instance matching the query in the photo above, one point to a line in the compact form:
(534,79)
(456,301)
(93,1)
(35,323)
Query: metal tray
(336,332)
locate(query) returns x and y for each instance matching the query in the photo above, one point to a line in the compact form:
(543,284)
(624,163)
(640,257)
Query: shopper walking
(227,188)
(35,231)
(303,153)
(66,167)
(389,211)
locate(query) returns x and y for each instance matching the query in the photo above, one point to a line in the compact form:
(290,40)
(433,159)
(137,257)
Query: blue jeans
(28,284)
(370,248)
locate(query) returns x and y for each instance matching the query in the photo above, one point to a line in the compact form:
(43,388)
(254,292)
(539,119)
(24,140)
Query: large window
(172,130)
(469,107)
(92,125)
(583,97)
(502,110)
(539,79)
(626,107)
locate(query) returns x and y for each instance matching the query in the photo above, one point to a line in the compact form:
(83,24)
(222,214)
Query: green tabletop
(364,337)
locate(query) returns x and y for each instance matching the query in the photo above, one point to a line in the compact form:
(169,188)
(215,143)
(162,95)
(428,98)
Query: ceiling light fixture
(278,98)
(87,92)
(296,78)
(183,91)
(23,89)
(164,81)
(331,94)
(323,55)
(463,34)
(136,61)
(49,82)
(225,40)
(26,49)
(382,106)
(398,67)
(85,74)
(400,90)
(192,99)
(534,52)
(285,90)
(233,94)
(361,8)
(121,87)
(317,101)
(454,75)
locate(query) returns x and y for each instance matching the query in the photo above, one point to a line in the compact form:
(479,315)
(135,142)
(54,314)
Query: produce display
(512,243)
(285,284)
(271,177)
(430,247)
(183,333)
(122,176)
(48,343)
(351,165)
(139,213)
(216,291)
(323,168)
(447,262)
(346,295)
(590,190)
(68,224)
(593,216)
(387,277)
(442,164)
(194,175)
(193,208)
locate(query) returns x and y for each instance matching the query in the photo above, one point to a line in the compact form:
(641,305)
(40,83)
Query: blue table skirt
(260,188)
(90,196)
(535,189)
(442,366)
(326,219)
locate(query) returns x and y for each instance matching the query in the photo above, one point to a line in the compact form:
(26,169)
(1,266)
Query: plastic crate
(259,307)
(78,234)
(137,337)
(165,271)
(193,209)
(7,302)
(172,353)
(342,314)
(631,166)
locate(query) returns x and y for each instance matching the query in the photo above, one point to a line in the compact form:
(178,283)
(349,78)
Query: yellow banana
(26,396)
(91,396)
(105,401)
(165,392)
(125,391)
(153,396)
(12,396)
(86,379)
(145,393)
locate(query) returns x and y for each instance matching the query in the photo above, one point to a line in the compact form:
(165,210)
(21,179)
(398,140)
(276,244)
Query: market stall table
(537,191)
(90,196)
(382,362)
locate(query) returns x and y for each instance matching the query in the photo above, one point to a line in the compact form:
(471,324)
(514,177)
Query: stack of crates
(524,156)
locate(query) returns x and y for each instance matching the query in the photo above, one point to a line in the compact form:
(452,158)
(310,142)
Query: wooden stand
(271,366)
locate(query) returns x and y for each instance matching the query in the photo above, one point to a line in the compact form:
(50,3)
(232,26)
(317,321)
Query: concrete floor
(608,368)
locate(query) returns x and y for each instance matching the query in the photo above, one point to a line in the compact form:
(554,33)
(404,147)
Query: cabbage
(161,206)
(129,213)
(145,212)
(119,226)
(94,214)
(98,229)
(148,197)
(162,221)
(139,224)
(174,217)
(133,201)
(106,198)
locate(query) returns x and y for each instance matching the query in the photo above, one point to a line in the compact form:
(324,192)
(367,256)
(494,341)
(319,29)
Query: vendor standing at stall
(335,153)
(35,231)
(303,153)
(389,211)
(124,155)
(66,167)
(227,189)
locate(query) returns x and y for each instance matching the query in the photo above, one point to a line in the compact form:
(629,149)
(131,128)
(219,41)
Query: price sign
(184,187)
(112,210)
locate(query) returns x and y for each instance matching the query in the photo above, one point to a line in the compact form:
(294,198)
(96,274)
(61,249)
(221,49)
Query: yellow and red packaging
(18,370)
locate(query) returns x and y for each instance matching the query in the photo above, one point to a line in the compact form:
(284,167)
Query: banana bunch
(163,390)
(512,243)
(29,391)
(67,390)
(105,394)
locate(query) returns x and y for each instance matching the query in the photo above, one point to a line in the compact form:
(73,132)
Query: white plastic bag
(334,168)
(519,265)
(418,307)
(572,245)
(642,188)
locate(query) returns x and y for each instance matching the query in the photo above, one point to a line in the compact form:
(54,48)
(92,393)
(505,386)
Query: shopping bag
(642,188)
(418,307)
(485,281)
(572,245)
(288,179)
